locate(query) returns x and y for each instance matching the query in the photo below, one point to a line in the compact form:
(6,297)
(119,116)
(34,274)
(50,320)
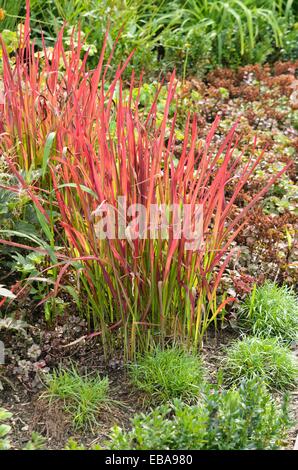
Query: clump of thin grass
(84,396)
(167,374)
(271,311)
(262,358)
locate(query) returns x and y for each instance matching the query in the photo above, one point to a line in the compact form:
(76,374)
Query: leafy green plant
(269,311)
(135,18)
(230,24)
(237,32)
(11,41)
(37,442)
(5,429)
(74,445)
(244,418)
(18,220)
(282,197)
(84,396)
(261,358)
(12,203)
(290,45)
(167,374)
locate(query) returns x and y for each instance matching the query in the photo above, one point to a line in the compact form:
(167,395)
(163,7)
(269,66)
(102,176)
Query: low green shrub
(244,418)
(167,374)
(261,358)
(270,311)
(84,396)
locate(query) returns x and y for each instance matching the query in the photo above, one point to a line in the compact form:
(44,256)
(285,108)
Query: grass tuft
(271,311)
(167,374)
(84,396)
(262,358)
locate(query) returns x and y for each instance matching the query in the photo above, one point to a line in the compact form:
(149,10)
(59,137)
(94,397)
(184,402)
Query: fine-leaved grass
(84,396)
(167,374)
(269,311)
(262,358)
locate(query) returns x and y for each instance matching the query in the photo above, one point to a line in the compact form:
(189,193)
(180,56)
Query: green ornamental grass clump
(167,374)
(270,311)
(84,396)
(261,358)
(244,418)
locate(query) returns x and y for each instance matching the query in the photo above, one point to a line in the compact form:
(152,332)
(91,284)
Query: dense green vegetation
(83,396)
(167,374)
(271,311)
(192,35)
(265,359)
(244,418)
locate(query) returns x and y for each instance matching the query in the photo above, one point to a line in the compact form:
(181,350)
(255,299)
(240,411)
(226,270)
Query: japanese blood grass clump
(84,396)
(165,374)
(105,146)
(271,311)
(236,419)
(264,359)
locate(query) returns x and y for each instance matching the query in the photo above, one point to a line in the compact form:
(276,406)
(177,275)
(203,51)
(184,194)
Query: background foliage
(191,35)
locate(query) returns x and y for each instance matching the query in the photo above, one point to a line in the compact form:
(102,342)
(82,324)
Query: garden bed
(175,346)
(32,412)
